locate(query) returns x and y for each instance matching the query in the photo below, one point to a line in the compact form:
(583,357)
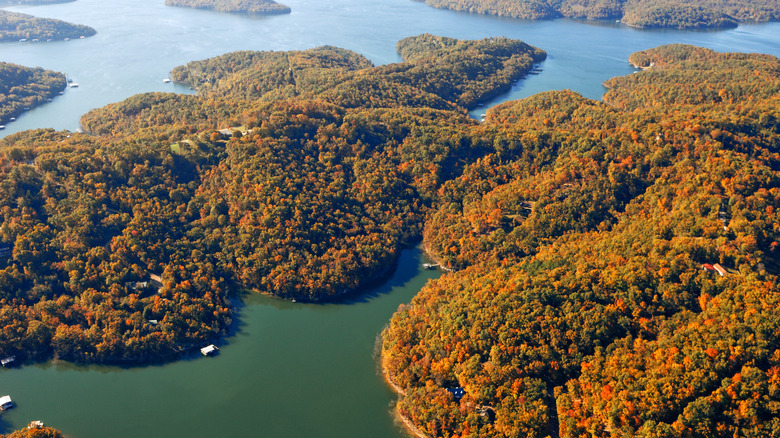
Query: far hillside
(245,6)
(685,14)
(15,27)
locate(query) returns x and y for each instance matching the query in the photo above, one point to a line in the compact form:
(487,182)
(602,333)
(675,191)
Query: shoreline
(428,252)
(411,429)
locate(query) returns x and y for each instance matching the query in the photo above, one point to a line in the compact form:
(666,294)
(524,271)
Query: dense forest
(245,6)
(22,88)
(616,264)
(121,246)
(686,14)
(15,26)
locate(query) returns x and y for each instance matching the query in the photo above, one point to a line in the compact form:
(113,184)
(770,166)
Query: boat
(166,80)
(430,265)
(8,361)
(2,126)
(6,402)
(23,40)
(209,350)
(74,85)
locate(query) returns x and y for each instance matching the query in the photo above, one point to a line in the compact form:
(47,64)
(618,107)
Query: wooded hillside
(244,6)
(687,14)
(617,270)
(22,88)
(15,26)
(121,246)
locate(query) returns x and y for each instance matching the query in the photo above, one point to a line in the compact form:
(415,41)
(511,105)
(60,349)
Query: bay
(289,369)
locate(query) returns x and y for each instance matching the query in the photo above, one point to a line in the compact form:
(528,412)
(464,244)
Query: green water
(290,370)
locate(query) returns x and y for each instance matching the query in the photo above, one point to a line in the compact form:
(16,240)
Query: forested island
(243,6)
(686,14)
(22,88)
(15,26)
(616,264)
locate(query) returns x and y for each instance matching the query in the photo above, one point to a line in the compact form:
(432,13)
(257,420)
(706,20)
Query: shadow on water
(4,426)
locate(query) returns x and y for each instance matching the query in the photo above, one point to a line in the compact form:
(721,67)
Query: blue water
(139,42)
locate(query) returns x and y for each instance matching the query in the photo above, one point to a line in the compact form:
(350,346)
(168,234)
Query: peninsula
(15,26)
(616,264)
(22,88)
(706,14)
(243,6)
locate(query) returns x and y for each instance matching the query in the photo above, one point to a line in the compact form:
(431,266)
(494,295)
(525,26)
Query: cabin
(8,361)
(457,392)
(209,350)
(156,280)
(6,402)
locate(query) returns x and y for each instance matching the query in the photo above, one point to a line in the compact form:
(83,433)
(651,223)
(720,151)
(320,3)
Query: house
(721,270)
(156,280)
(209,350)
(708,267)
(457,392)
(6,402)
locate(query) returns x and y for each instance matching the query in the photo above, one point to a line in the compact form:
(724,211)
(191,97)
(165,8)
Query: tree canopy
(22,88)
(686,14)
(245,6)
(15,26)
(587,299)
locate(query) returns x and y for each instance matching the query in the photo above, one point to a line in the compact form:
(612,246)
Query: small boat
(2,127)
(8,361)
(74,85)
(209,350)
(166,80)
(13,119)
(430,265)
(23,40)
(6,402)
(82,37)
(35,40)
(67,39)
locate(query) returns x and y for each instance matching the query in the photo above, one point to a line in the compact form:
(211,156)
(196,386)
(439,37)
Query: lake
(289,369)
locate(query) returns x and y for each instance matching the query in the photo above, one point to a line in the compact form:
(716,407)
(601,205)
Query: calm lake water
(290,370)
